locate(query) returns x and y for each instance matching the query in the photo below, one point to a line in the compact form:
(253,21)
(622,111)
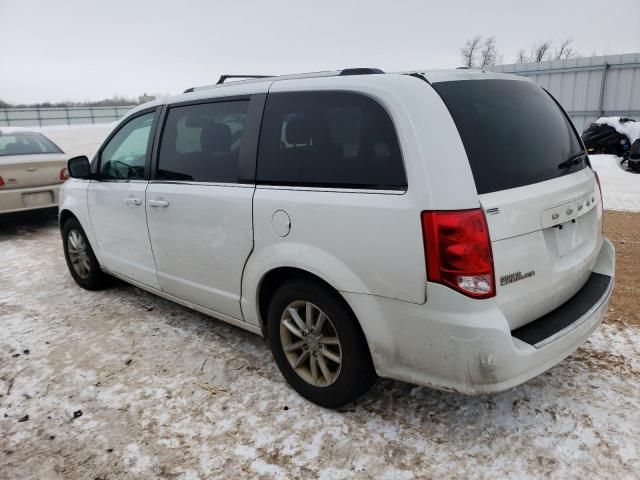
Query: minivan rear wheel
(318,345)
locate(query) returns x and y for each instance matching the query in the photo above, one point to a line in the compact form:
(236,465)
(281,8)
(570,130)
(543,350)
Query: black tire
(355,374)
(95,278)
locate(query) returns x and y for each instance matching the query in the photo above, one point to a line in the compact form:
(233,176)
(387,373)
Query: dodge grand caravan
(442,228)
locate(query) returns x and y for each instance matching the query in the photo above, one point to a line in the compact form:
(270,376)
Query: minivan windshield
(514,133)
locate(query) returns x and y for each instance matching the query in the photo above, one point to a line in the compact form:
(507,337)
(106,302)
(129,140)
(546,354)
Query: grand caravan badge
(515,277)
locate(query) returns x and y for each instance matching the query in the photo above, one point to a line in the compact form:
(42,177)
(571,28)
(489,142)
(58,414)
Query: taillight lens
(601,197)
(64,174)
(458,251)
(1,182)
(599,187)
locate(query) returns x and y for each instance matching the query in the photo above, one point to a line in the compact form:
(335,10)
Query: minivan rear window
(329,139)
(514,133)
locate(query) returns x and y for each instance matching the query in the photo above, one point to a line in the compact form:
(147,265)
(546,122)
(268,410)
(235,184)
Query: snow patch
(136,461)
(620,188)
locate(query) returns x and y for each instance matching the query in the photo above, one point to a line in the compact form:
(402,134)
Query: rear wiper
(573,160)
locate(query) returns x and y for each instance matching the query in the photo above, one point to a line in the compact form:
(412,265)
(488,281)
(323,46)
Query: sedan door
(199,214)
(117,201)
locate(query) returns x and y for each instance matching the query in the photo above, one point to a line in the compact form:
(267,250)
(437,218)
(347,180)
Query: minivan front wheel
(317,344)
(81,261)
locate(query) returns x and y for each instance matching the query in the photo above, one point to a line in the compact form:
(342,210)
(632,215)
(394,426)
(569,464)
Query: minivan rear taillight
(458,251)
(1,182)
(599,187)
(601,197)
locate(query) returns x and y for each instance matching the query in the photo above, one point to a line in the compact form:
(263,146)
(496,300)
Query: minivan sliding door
(199,213)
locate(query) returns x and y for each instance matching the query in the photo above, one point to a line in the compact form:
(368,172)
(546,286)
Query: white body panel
(211,246)
(342,237)
(459,344)
(201,241)
(558,253)
(119,223)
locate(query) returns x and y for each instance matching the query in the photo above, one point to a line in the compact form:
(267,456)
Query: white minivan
(442,228)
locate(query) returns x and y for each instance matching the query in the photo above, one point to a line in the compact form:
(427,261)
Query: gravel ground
(161,391)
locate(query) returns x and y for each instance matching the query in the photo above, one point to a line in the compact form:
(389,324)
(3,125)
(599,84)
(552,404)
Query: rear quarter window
(329,139)
(514,133)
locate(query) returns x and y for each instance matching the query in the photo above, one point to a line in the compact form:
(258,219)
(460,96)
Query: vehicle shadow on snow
(21,223)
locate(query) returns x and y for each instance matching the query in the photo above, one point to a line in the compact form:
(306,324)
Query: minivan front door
(117,202)
(199,215)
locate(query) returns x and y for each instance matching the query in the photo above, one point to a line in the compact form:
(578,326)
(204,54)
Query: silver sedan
(32,168)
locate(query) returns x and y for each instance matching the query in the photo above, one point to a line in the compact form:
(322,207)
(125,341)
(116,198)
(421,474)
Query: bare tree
(540,51)
(522,56)
(488,53)
(470,51)
(565,51)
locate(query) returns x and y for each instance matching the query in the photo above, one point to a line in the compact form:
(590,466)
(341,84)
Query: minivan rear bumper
(464,345)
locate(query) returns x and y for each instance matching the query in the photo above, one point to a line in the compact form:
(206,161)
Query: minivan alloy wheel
(310,343)
(78,254)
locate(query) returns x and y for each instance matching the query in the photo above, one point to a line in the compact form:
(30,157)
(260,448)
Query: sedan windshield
(23,143)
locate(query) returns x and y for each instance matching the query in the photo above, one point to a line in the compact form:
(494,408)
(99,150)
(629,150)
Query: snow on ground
(620,188)
(630,129)
(167,392)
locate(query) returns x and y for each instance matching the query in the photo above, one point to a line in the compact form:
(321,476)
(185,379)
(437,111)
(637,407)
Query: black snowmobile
(633,161)
(600,138)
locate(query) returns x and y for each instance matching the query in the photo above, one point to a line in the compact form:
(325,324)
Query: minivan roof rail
(226,77)
(361,71)
(251,78)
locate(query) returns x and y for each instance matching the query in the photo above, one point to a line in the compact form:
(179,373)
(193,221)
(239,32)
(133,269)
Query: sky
(56,50)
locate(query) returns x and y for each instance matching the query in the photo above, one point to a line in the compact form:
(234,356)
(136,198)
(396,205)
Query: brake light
(601,197)
(458,251)
(599,187)
(64,174)
(1,182)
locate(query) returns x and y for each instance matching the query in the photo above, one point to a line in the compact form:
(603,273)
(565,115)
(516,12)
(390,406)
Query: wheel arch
(274,278)
(65,215)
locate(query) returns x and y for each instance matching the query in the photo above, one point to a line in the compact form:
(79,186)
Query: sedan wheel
(311,343)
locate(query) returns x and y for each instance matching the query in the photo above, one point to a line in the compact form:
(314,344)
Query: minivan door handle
(159,203)
(132,201)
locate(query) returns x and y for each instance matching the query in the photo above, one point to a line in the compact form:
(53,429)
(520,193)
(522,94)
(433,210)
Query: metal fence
(32,117)
(590,87)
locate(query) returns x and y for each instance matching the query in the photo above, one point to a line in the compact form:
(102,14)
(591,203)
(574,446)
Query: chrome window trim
(332,189)
(210,184)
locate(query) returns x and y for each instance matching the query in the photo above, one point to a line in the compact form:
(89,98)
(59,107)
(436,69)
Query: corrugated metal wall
(590,87)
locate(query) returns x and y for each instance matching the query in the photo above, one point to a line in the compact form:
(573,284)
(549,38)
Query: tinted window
(329,139)
(26,144)
(202,142)
(513,131)
(124,156)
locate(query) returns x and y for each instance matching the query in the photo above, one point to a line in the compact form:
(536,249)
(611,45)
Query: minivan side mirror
(78,167)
